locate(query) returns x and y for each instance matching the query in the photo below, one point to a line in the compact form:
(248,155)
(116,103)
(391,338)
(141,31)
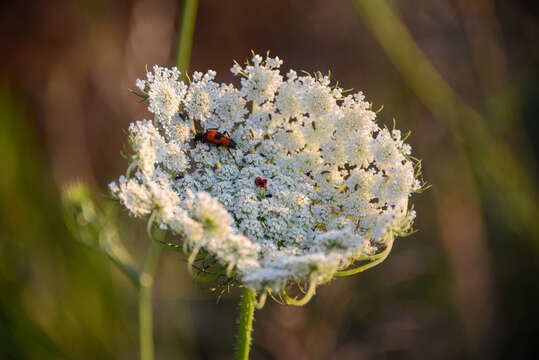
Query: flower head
(339,183)
(164,91)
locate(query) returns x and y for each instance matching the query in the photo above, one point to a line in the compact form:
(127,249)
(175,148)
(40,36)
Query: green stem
(145,302)
(248,302)
(185,36)
(185,41)
(125,267)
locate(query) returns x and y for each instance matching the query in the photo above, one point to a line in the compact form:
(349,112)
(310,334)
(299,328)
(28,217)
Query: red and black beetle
(217,138)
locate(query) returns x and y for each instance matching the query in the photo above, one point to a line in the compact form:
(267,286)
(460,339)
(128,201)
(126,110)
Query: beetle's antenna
(233,158)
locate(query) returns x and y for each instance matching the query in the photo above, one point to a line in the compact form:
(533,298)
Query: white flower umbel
(164,91)
(313,186)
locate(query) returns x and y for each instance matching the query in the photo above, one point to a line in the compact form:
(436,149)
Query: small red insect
(261,182)
(217,138)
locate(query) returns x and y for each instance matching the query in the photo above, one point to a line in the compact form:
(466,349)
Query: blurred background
(462,75)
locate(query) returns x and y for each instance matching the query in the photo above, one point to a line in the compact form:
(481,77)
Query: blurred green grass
(59,300)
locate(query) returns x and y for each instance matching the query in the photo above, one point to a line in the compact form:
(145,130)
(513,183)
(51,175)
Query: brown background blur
(465,286)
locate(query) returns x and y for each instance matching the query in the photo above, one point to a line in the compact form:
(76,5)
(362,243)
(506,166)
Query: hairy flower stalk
(286,179)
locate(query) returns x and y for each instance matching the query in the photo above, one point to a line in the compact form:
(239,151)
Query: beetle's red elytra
(215,137)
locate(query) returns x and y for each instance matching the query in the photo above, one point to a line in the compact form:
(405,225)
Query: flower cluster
(313,183)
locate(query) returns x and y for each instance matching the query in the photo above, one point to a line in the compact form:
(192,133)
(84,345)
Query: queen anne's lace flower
(331,185)
(164,91)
